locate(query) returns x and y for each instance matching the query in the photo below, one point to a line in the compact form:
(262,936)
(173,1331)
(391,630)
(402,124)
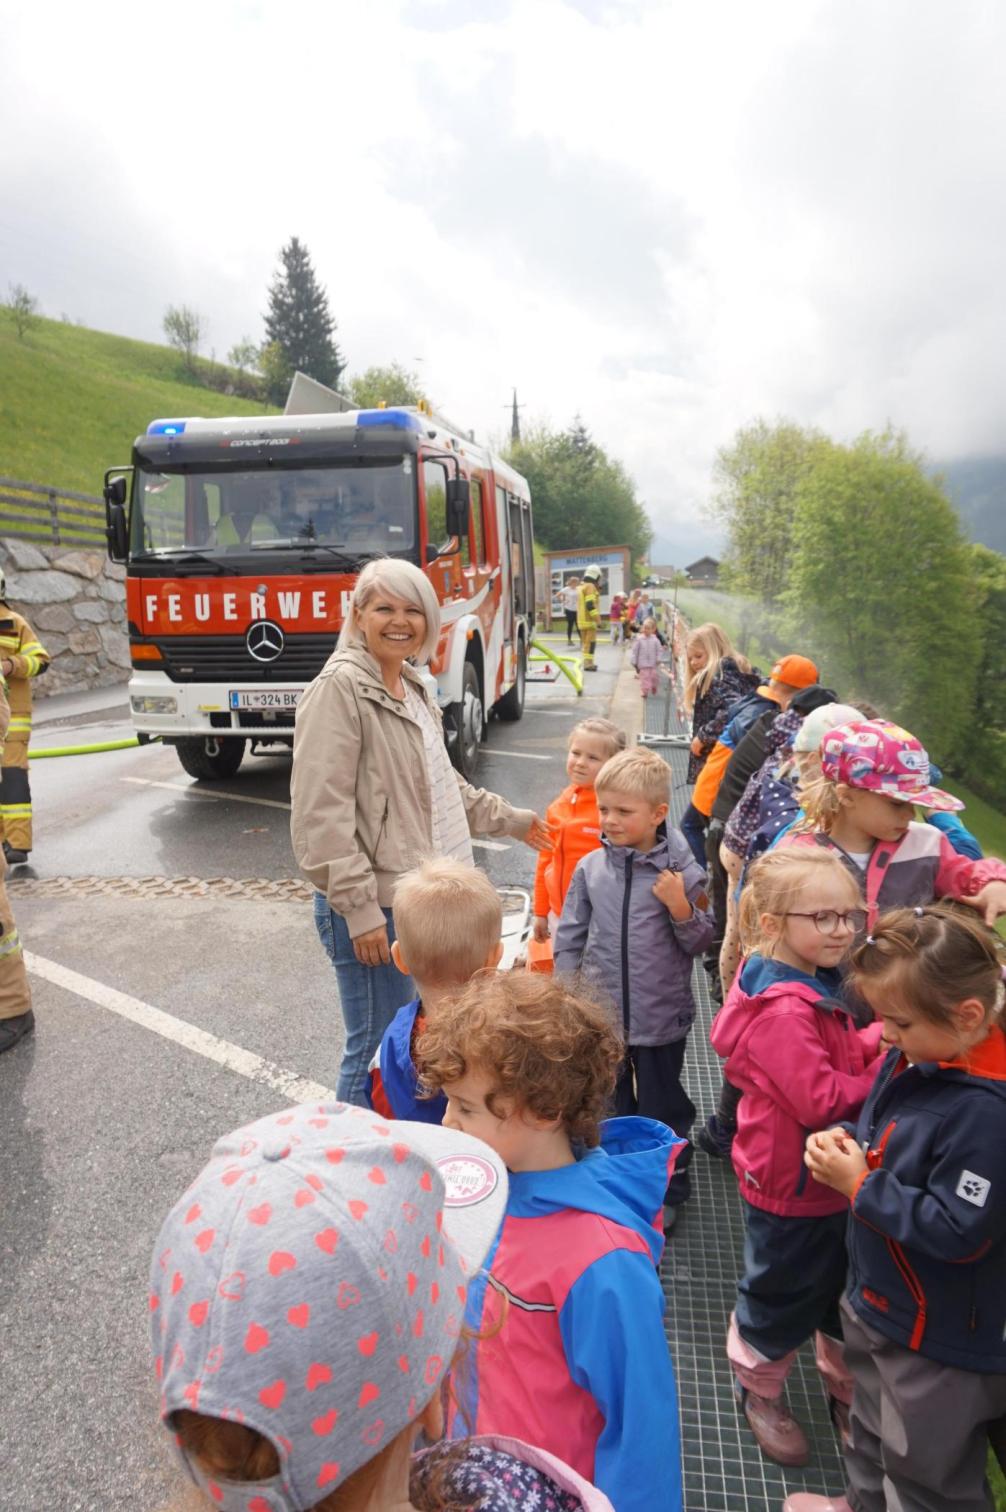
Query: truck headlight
(154,705)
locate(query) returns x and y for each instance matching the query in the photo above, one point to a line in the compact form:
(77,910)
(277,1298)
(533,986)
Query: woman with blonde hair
(373,793)
(717,677)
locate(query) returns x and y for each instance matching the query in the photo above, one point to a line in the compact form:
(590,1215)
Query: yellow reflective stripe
(15,810)
(33,648)
(10,943)
(20,722)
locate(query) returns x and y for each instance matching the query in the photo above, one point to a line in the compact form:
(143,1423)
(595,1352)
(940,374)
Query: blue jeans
(370,996)
(693,827)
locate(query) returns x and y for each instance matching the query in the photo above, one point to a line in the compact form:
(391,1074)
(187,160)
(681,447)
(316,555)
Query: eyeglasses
(826,920)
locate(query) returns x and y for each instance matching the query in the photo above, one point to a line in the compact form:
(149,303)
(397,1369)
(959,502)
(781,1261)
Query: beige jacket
(360,794)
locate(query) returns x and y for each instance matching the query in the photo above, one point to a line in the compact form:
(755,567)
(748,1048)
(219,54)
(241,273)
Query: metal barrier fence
(50,516)
(671,729)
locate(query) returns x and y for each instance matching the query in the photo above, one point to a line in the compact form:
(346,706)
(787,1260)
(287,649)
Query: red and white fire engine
(242,539)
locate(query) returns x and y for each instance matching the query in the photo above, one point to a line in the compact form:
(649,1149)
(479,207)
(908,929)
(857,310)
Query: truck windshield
(364,507)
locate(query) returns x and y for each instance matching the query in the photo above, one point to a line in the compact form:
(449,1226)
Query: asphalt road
(114,1104)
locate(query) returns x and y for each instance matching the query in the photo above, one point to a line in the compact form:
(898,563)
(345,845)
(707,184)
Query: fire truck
(242,538)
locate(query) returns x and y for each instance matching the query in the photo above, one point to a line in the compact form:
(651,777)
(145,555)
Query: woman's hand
(372,949)
(541,929)
(835,1160)
(538,835)
(696,747)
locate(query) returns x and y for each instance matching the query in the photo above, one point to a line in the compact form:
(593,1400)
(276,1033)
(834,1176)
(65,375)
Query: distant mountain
(977,486)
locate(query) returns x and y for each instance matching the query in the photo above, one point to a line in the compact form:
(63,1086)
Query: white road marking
(521,755)
(287,1083)
(198,792)
(194,792)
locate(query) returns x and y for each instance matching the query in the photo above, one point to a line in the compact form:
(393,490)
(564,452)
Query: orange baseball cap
(795,671)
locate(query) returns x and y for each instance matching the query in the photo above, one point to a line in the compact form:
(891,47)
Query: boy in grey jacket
(635,914)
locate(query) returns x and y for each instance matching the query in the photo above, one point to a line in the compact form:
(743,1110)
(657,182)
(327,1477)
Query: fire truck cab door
(521,557)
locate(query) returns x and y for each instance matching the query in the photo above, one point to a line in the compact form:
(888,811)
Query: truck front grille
(226,659)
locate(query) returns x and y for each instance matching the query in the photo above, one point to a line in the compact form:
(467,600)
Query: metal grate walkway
(724,1470)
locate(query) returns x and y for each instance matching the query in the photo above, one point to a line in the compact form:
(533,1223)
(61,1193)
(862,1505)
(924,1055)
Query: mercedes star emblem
(265,641)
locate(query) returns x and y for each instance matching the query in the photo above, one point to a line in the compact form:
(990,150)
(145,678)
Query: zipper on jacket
(625,945)
(915,1290)
(382,827)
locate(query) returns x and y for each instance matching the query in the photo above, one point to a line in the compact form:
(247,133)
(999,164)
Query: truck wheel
(511,705)
(207,758)
(464,724)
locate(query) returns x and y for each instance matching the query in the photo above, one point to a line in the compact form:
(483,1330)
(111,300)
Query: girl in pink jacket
(645,657)
(795,1053)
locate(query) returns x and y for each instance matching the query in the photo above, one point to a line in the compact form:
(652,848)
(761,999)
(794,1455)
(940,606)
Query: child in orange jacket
(574,820)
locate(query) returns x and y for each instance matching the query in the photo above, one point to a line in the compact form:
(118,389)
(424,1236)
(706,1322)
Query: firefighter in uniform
(21,659)
(16,1017)
(588,615)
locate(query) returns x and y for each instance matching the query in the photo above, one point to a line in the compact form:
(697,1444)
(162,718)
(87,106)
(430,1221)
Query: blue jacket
(391,1089)
(620,935)
(960,837)
(927,1237)
(742,715)
(580,1365)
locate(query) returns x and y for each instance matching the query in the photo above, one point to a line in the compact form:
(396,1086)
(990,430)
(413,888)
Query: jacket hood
(781,731)
(624,1179)
(760,982)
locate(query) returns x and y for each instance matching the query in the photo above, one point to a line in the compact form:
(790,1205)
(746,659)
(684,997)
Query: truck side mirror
(458,503)
(116,521)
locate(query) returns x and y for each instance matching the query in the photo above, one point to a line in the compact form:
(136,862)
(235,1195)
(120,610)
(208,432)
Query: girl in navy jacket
(925,1309)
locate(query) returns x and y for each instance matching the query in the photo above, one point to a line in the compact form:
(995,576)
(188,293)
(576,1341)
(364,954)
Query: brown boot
(779,1435)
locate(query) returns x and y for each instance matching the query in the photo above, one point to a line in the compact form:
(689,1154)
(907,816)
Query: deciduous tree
(880,585)
(393,384)
(755,482)
(186,330)
(582,497)
(21,308)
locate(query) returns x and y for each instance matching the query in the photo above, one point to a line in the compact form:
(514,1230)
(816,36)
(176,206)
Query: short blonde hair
(641,773)
(404,580)
(604,729)
(448,916)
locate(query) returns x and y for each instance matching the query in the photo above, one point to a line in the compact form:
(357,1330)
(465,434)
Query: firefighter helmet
(592,575)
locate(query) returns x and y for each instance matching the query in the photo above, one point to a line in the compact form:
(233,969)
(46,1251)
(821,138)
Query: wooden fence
(50,516)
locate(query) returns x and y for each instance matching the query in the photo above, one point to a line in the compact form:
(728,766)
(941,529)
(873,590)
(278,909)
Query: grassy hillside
(72,400)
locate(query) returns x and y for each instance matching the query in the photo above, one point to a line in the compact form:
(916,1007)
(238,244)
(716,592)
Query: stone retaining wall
(74,600)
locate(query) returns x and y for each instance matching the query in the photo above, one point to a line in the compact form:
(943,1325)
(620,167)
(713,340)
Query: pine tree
(300,323)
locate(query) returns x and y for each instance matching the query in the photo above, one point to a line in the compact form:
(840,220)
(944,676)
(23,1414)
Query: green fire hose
(85,750)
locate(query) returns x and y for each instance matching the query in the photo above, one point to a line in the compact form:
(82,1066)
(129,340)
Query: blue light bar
(165,427)
(395,418)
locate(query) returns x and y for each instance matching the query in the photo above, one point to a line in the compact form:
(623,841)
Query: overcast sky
(669,217)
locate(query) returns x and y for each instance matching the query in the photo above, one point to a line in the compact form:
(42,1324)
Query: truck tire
(207,758)
(511,705)
(464,724)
